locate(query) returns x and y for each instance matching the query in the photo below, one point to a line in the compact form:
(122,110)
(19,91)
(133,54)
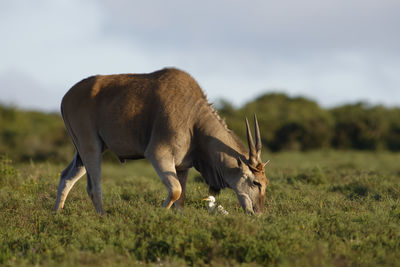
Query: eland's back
(125,111)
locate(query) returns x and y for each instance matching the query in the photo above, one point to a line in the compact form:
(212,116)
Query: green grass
(324,208)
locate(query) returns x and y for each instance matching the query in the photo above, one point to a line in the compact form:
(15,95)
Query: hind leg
(91,157)
(94,188)
(69,177)
(91,154)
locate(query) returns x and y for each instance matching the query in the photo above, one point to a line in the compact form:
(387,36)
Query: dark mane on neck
(216,158)
(212,175)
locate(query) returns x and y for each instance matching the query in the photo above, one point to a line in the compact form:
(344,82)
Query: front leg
(182,176)
(165,168)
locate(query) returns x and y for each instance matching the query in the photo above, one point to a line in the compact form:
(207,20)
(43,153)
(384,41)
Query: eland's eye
(257,183)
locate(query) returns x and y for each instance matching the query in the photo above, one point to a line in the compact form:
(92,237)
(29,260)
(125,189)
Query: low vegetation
(324,208)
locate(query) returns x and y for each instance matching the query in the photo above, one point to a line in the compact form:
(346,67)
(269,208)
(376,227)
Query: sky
(334,52)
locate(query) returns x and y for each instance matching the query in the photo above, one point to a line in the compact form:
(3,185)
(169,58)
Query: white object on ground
(211,205)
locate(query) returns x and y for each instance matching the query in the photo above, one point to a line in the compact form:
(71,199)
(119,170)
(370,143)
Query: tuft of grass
(323,209)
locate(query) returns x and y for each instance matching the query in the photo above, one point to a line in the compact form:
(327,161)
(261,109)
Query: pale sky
(333,52)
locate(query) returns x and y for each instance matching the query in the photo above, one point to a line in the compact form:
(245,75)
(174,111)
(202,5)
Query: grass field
(324,208)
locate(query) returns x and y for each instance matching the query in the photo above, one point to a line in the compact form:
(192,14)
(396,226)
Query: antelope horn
(258,139)
(252,148)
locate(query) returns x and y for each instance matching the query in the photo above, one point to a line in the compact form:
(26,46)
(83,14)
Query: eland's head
(251,182)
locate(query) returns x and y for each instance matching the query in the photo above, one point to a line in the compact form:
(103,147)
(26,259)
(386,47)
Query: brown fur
(163,116)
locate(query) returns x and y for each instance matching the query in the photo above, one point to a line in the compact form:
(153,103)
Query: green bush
(296,123)
(26,135)
(286,123)
(360,127)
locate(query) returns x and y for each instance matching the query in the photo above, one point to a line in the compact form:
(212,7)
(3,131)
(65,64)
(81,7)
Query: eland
(164,117)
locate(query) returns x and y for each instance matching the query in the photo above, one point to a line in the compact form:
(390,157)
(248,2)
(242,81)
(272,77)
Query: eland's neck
(217,151)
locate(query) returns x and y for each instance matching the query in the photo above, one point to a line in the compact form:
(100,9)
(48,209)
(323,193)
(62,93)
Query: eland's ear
(244,168)
(240,162)
(266,163)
